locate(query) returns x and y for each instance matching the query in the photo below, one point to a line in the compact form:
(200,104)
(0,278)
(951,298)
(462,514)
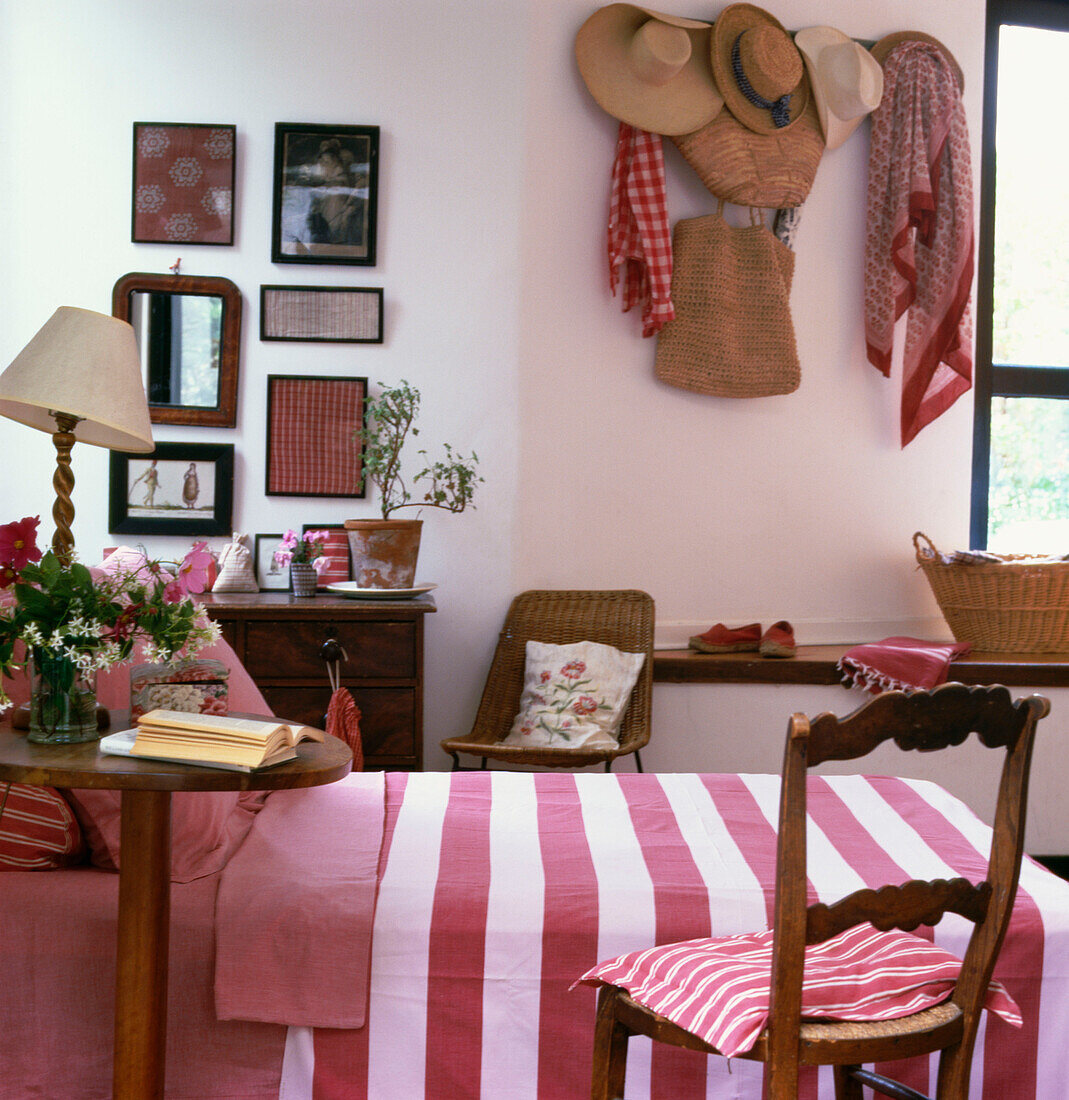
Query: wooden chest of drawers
(279,639)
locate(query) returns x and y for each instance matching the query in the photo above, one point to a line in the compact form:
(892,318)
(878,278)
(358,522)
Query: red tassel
(343,722)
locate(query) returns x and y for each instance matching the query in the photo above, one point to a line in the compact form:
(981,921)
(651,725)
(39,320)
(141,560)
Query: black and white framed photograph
(325,194)
(324,314)
(178,489)
(270,576)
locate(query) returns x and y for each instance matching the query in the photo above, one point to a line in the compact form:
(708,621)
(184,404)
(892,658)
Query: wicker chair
(622,618)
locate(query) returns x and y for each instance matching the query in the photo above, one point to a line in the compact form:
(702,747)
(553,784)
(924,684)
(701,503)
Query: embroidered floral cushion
(718,988)
(573,695)
(38,830)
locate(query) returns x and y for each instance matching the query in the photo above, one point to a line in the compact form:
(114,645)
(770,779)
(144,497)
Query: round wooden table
(145,867)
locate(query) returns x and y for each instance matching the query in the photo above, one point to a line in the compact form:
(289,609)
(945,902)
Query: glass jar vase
(63,701)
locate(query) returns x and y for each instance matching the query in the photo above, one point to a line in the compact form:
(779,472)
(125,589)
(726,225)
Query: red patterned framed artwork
(183,188)
(336,551)
(311,423)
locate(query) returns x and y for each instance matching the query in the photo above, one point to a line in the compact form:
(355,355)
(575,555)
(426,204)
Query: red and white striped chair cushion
(38,829)
(718,988)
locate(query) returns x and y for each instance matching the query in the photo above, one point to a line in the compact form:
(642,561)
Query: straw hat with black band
(758,69)
(649,69)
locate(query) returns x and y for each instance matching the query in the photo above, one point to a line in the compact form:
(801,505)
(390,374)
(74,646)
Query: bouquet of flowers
(75,620)
(302,549)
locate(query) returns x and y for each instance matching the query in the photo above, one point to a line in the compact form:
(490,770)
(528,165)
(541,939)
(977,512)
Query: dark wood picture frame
(179,516)
(265,546)
(325,194)
(183,183)
(224,413)
(322,314)
(311,422)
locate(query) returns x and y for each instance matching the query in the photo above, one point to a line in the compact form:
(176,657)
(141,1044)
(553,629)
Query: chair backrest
(623,618)
(925,722)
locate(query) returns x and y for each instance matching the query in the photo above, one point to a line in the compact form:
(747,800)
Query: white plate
(353,591)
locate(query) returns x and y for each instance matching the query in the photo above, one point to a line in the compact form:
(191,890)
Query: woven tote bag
(732,335)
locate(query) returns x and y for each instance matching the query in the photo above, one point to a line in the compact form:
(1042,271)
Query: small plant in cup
(306,549)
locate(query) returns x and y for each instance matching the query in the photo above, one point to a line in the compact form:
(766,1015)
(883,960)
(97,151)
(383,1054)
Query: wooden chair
(621,618)
(924,721)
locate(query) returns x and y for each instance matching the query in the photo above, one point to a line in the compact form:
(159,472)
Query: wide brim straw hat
(886,44)
(847,81)
(756,64)
(649,69)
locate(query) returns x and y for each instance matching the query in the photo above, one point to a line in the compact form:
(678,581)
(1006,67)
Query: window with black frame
(1020,500)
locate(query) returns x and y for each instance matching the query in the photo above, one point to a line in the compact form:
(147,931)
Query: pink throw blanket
(296,906)
(899,663)
(919,245)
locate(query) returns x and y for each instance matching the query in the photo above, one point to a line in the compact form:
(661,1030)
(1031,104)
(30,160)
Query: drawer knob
(333,652)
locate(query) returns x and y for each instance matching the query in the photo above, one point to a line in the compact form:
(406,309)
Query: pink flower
(283,557)
(573,669)
(18,542)
(193,572)
(174,592)
(585,704)
(8,576)
(545,677)
(319,564)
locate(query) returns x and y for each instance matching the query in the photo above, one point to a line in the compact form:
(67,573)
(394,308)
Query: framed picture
(325,194)
(183,190)
(178,489)
(270,576)
(329,314)
(335,550)
(311,424)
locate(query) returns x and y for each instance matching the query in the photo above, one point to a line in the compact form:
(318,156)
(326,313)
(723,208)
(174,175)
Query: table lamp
(79,378)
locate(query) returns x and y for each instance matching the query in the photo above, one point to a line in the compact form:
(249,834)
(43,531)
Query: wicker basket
(1014,605)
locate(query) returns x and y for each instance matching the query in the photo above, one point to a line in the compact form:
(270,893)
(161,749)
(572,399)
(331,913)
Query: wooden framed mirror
(189,331)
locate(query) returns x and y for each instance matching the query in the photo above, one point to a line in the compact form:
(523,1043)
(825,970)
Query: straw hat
(758,69)
(648,69)
(889,41)
(847,80)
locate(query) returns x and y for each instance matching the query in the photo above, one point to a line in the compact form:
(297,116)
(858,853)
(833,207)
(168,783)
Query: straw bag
(1014,604)
(732,335)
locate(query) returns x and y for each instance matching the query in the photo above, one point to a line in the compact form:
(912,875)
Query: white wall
(494,184)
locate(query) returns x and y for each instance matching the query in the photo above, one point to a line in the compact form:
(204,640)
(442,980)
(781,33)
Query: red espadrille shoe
(722,639)
(778,640)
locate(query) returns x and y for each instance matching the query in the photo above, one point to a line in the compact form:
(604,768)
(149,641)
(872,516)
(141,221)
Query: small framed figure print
(312,449)
(183,190)
(325,194)
(270,576)
(178,489)
(327,314)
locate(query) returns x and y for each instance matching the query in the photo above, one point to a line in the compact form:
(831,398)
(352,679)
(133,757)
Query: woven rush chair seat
(680,979)
(622,618)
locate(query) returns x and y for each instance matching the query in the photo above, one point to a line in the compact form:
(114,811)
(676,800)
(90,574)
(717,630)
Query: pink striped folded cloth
(718,988)
(899,663)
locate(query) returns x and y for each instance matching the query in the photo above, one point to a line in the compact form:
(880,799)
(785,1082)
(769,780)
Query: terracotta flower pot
(384,551)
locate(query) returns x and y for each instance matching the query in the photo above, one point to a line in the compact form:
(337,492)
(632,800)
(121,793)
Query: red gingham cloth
(640,238)
(919,243)
(311,436)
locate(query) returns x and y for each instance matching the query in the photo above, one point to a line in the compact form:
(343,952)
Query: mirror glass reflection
(180,337)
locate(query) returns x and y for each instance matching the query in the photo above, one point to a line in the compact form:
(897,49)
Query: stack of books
(210,740)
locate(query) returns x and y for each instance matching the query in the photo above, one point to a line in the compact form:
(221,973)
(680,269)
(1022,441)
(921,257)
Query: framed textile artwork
(178,489)
(183,187)
(270,576)
(330,314)
(311,422)
(325,194)
(335,550)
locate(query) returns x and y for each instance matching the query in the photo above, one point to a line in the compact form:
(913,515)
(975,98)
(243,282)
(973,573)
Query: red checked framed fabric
(311,422)
(183,190)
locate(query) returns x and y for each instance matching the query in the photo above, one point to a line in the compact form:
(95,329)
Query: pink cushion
(718,988)
(206,828)
(38,830)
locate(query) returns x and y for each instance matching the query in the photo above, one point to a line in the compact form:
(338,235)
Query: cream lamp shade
(79,378)
(84,365)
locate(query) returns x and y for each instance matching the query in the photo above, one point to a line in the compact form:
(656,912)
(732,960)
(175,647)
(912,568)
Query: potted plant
(304,556)
(384,551)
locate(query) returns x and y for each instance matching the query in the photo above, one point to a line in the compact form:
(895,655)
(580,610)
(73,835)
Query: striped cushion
(38,830)
(717,988)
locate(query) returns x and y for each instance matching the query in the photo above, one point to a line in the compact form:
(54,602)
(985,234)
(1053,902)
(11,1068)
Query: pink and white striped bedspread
(499,889)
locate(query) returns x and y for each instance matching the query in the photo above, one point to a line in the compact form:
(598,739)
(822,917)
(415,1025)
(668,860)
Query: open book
(237,744)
